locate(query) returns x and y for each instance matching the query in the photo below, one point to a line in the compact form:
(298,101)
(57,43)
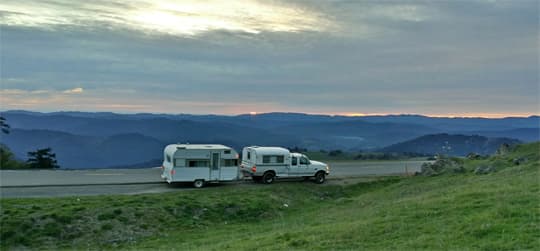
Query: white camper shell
(199,164)
(266,163)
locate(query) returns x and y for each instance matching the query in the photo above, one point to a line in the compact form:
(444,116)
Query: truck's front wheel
(320,177)
(268,178)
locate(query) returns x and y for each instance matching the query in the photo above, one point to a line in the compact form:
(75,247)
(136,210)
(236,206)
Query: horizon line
(346,114)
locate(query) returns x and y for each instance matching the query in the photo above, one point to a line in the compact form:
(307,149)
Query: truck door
(303,166)
(214,166)
(293,170)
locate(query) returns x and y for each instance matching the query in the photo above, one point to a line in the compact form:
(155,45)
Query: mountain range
(453,145)
(94,140)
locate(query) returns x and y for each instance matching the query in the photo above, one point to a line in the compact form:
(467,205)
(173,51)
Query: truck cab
(268,163)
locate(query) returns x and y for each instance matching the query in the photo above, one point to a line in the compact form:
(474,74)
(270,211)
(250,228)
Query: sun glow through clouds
(192,17)
(180,18)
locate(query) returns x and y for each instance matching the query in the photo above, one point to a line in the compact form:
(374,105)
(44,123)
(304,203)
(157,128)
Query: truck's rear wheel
(268,178)
(198,183)
(320,177)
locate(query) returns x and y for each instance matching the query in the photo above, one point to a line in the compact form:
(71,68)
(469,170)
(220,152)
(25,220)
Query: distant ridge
(97,139)
(453,145)
(260,115)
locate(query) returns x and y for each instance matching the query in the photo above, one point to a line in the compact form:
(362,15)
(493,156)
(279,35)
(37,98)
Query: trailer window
(229,162)
(198,163)
(294,161)
(249,155)
(271,159)
(227,152)
(168,158)
(180,162)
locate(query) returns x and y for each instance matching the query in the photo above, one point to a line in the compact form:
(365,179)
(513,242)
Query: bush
(443,165)
(8,161)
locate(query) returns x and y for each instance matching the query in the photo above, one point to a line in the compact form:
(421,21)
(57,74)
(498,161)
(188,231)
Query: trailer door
(214,166)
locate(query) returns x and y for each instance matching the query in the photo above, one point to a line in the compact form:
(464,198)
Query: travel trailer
(199,164)
(268,163)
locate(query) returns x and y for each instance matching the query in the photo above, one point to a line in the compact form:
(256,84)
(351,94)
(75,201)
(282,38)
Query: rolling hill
(459,211)
(453,145)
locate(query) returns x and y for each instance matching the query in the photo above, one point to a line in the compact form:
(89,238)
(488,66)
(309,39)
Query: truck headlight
(327,168)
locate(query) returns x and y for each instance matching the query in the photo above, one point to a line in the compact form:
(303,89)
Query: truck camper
(268,163)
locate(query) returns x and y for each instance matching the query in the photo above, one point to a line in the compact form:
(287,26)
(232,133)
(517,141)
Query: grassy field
(497,211)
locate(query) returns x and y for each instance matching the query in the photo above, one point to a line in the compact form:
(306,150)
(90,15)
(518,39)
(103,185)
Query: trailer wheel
(320,177)
(256,178)
(198,183)
(268,177)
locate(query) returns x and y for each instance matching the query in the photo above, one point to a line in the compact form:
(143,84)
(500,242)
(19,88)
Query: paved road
(44,183)
(11,178)
(365,168)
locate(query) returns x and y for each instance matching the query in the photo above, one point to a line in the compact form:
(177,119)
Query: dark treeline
(39,159)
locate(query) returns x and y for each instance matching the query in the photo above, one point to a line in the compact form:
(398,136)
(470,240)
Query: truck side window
(294,161)
(274,159)
(304,161)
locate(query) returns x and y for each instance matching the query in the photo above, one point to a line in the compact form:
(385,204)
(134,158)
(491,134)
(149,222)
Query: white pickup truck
(266,163)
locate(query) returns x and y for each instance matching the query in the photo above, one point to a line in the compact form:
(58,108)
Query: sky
(438,58)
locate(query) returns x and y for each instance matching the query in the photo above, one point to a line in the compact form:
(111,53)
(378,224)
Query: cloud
(4,92)
(39,92)
(330,57)
(120,101)
(74,91)
(179,18)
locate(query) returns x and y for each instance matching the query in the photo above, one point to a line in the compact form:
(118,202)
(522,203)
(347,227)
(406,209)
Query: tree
(42,158)
(297,149)
(8,160)
(3,125)
(335,153)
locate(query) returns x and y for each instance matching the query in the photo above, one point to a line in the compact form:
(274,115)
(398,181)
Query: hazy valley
(102,140)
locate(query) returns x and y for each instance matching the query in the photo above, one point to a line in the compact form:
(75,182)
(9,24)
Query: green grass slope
(496,211)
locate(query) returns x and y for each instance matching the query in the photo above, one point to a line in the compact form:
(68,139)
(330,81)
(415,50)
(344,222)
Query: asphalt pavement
(47,183)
